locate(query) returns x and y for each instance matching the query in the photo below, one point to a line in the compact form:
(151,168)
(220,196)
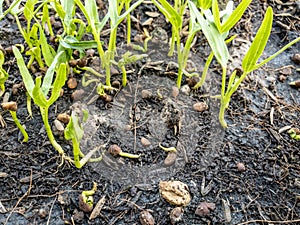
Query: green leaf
(169,12)
(39,98)
(47,82)
(26,77)
(46,49)
(68,7)
(216,13)
(74,129)
(71,42)
(235,16)
(213,36)
(14,8)
(28,9)
(59,82)
(259,43)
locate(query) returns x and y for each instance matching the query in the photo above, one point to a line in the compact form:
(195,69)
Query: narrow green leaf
(72,43)
(48,57)
(39,98)
(169,12)
(47,81)
(68,7)
(235,16)
(216,13)
(28,9)
(74,129)
(213,36)
(59,82)
(259,43)
(26,77)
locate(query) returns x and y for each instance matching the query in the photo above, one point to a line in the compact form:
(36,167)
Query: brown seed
(193,81)
(90,52)
(72,83)
(16,87)
(63,117)
(85,207)
(282,78)
(200,106)
(106,97)
(114,150)
(116,84)
(11,106)
(176,215)
(175,91)
(286,71)
(204,208)
(146,94)
(145,141)
(73,62)
(61,92)
(146,218)
(82,62)
(296,58)
(170,159)
(77,95)
(295,83)
(241,167)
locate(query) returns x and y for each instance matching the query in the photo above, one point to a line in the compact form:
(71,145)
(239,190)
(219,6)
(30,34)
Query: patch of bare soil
(246,174)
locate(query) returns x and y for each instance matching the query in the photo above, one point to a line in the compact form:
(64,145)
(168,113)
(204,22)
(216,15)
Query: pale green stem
(44,112)
(205,70)
(127,5)
(21,128)
(124,76)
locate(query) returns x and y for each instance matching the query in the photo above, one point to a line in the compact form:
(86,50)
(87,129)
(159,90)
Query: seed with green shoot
(116,150)
(86,199)
(294,133)
(170,149)
(12,108)
(295,84)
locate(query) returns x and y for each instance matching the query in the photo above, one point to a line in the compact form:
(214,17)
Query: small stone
(145,141)
(286,71)
(175,192)
(72,83)
(90,52)
(170,159)
(77,95)
(43,213)
(185,89)
(176,215)
(175,91)
(296,58)
(241,167)
(63,117)
(146,94)
(146,218)
(200,106)
(11,106)
(205,208)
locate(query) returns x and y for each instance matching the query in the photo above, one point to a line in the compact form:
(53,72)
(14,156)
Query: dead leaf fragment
(97,209)
(152,14)
(175,192)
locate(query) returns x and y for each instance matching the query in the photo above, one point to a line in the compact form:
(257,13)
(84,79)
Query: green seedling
(39,91)
(116,150)
(12,108)
(170,149)
(294,133)
(86,200)
(216,31)
(3,74)
(126,59)
(115,16)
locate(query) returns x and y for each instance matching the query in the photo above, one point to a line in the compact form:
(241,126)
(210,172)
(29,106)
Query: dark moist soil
(37,189)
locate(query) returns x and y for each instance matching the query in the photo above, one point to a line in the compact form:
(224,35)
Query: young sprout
(3,74)
(12,108)
(294,133)
(116,150)
(170,149)
(86,200)
(295,84)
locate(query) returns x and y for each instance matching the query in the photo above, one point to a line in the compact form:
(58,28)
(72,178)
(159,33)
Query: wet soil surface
(250,171)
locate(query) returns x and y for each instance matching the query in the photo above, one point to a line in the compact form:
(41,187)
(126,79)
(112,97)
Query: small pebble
(205,208)
(185,89)
(72,83)
(43,213)
(77,95)
(241,167)
(200,106)
(145,141)
(175,91)
(176,215)
(170,159)
(146,218)
(146,94)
